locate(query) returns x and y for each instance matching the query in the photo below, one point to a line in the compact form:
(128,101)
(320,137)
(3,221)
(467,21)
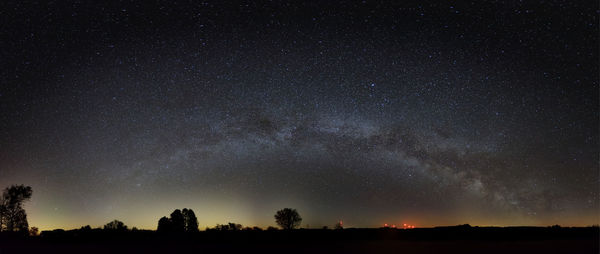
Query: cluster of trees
(179,221)
(186,221)
(286,218)
(13,217)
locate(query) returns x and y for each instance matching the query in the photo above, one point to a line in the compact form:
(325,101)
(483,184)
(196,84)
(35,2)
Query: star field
(480,112)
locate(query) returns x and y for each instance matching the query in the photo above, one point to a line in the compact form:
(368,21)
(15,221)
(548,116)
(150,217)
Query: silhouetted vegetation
(190,220)
(115,225)
(227,227)
(13,217)
(233,237)
(179,222)
(164,225)
(288,218)
(34,231)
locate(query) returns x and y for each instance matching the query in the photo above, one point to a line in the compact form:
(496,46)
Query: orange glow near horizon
(47,215)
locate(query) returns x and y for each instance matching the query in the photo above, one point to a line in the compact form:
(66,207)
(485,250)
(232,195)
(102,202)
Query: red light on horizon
(407,226)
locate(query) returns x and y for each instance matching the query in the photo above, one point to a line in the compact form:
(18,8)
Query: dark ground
(432,240)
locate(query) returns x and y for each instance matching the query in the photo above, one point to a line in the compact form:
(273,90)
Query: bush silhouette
(85,228)
(34,231)
(288,218)
(115,225)
(228,227)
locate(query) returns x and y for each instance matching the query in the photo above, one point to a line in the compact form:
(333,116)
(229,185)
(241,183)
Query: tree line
(13,217)
(185,221)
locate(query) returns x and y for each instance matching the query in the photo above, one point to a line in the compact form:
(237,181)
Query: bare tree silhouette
(288,218)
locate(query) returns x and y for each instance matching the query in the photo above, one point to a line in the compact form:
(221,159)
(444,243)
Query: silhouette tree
(164,225)
(177,221)
(12,215)
(20,221)
(288,218)
(191,222)
(115,225)
(180,221)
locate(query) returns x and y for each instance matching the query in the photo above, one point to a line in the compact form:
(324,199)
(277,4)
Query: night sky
(370,112)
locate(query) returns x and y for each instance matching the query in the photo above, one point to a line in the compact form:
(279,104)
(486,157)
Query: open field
(430,240)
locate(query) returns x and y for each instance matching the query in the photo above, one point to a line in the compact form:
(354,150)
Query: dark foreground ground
(431,240)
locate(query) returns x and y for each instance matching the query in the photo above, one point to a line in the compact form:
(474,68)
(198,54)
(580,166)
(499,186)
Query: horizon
(370,112)
(203,225)
(329,227)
